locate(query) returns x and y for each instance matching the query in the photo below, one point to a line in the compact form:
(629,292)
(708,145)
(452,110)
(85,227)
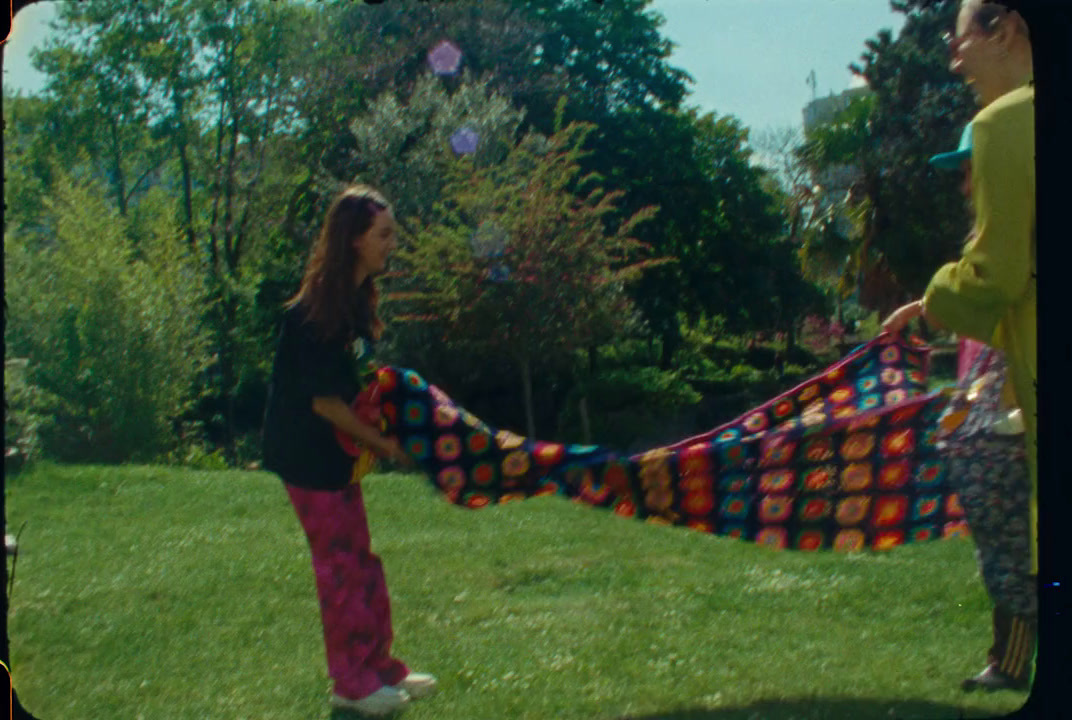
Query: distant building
(835,181)
(824,109)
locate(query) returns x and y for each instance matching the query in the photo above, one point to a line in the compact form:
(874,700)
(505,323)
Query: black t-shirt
(299,445)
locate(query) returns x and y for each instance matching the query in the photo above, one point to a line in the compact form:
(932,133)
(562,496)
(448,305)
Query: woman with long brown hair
(321,364)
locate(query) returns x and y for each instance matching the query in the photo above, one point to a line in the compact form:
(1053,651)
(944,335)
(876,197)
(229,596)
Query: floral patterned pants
(354,606)
(989,472)
(995,500)
(994,491)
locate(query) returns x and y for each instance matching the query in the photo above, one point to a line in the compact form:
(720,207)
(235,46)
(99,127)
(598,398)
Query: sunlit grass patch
(160,593)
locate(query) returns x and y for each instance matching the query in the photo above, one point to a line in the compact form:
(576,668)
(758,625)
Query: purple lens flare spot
(464,141)
(445,58)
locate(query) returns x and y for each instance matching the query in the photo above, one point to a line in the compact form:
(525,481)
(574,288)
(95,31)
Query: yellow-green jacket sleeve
(970,297)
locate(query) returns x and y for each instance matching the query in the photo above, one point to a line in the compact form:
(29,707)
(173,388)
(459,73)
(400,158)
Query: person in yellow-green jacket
(990,293)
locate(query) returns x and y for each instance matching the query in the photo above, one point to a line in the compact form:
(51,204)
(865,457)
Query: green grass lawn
(150,593)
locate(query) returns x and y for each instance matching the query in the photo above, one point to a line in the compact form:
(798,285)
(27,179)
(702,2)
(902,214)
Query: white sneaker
(384,701)
(418,685)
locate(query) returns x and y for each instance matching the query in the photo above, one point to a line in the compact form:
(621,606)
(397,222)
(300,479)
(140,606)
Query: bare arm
(338,413)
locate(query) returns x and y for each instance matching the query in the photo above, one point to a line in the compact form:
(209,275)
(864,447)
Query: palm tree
(842,239)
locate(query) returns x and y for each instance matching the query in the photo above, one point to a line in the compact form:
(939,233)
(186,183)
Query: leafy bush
(197,456)
(646,385)
(869,325)
(628,404)
(26,413)
(111,327)
(793,373)
(696,356)
(745,373)
(820,334)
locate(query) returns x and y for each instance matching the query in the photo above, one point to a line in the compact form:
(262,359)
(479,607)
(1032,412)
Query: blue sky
(749,58)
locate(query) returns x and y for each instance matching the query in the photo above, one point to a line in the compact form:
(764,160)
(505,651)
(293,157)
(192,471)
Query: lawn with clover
(154,593)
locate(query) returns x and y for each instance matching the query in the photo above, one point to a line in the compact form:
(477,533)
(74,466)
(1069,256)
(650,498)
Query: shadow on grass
(803,709)
(829,709)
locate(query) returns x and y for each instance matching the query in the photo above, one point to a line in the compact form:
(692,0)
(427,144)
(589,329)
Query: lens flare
(464,141)
(445,58)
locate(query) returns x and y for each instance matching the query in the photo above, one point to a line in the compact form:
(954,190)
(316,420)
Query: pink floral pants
(354,607)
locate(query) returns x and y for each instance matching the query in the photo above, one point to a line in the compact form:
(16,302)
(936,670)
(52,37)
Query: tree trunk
(227,371)
(586,426)
(117,161)
(187,194)
(526,390)
(666,358)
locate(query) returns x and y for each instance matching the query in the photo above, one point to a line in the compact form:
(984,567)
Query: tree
(920,109)
(716,215)
(605,57)
(907,218)
(842,240)
(111,336)
(408,147)
(550,281)
(612,53)
(608,59)
(206,88)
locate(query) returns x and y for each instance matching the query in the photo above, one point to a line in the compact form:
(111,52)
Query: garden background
(584,257)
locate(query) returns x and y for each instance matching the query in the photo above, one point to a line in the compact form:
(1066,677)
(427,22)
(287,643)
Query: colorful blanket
(845,460)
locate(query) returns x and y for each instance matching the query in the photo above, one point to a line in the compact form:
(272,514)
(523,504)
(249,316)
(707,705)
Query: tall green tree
(209,86)
(908,218)
(112,335)
(716,214)
(920,109)
(553,280)
(608,59)
(94,115)
(29,164)
(612,53)
(405,144)
(841,242)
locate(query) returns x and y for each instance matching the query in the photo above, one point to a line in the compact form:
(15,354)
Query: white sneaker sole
(422,687)
(372,705)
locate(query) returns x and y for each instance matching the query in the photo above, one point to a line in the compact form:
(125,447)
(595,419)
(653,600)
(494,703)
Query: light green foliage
(869,324)
(27,414)
(697,339)
(27,169)
(110,329)
(566,271)
(100,98)
(404,148)
(744,374)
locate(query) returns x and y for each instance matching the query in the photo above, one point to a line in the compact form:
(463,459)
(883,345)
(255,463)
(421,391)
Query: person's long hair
(332,303)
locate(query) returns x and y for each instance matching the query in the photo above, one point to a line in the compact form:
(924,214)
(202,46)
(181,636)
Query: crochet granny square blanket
(846,460)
